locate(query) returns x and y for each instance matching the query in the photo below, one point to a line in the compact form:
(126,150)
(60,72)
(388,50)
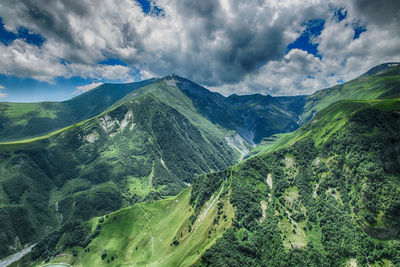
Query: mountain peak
(380,68)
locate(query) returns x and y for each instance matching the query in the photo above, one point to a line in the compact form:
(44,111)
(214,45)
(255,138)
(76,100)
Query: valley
(168,173)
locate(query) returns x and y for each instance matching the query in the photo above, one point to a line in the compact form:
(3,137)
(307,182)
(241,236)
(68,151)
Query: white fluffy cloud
(229,45)
(2,94)
(87,87)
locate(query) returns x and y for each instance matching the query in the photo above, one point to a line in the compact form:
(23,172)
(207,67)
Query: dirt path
(148,227)
(150,185)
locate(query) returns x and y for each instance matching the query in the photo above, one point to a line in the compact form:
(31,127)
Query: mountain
(256,121)
(252,116)
(148,182)
(382,68)
(329,197)
(24,120)
(144,141)
(263,116)
(382,81)
(326,194)
(138,150)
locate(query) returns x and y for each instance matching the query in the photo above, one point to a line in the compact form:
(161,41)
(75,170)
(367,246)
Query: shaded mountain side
(264,116)
(382,81)
(139,151)
(23,120)
(253,117)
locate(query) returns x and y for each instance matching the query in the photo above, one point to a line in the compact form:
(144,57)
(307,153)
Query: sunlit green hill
(382,81)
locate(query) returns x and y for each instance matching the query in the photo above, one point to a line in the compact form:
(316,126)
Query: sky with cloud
(53,50)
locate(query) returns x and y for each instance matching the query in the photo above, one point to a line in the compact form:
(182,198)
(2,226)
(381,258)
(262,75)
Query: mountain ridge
(162,137)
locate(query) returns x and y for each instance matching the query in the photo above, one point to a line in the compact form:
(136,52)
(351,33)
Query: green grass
(362,88)
(142,235)
(28,120)
(38,138)
(22,111)
(325,123)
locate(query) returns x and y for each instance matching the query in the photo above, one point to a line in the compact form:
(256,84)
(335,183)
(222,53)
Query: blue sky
(49,56)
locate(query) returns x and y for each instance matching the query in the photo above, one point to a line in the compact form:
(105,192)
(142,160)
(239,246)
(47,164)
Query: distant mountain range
(144,173)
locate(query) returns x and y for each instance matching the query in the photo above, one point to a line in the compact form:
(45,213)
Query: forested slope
(139,151)
(329,197)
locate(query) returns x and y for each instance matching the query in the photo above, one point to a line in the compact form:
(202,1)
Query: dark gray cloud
(49,18)
(224,44)
(381,12)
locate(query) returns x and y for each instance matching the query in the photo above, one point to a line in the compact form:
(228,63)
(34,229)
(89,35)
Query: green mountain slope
(253,117)
(327,196)
(22,120)
(257,119)
(382,81)
(147,234)
(137,151)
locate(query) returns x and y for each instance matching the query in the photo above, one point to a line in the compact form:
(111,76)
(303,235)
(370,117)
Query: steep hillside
(22,120)
(255,120)
(138,151)
(154,234)
(327,196)
(148,144)
(253,117)
(382,81)
(264,116)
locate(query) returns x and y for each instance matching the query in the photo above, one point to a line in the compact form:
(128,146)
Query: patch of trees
(74,235)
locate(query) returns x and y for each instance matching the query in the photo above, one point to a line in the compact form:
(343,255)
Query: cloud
(2,95)
(380,13)
(228,45)
(26,60)
(99,72)
(85,88)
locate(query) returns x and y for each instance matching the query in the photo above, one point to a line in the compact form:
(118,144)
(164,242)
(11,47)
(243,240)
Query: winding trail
(15,257)
(148,227)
